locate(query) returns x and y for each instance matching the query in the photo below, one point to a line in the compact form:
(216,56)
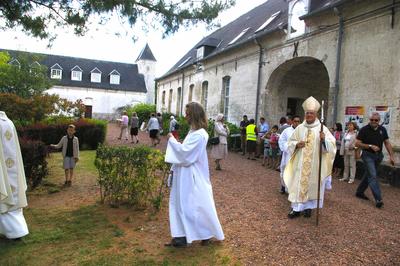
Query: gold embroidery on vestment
(306,170)
(10,162)
(8,135)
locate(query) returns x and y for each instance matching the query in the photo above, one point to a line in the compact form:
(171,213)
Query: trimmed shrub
(34,156)
(23,111)
(90,132)
(143,111)
(135,176)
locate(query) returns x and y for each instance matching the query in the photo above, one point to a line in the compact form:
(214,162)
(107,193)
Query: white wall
(104,102)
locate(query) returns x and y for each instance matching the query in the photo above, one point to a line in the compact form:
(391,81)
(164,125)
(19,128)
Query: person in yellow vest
(251,139)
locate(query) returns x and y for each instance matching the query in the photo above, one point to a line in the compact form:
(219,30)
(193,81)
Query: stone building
(266,62)
(103,86)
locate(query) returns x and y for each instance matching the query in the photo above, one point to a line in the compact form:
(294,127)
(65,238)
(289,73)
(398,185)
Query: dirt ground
(253,215)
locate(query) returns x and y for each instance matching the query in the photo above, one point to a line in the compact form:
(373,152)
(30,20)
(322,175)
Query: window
(204,94)
(76,75)
(200,53)
(170,100)
(225,96)
(163,98)
(269,20)
(178,101)
(56,73)
(297,27)
(114,79)
(95,77)
(190,98)
(239,36)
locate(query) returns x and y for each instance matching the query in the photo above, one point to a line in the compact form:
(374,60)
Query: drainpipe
(183,84)
(338,58)
(260,63)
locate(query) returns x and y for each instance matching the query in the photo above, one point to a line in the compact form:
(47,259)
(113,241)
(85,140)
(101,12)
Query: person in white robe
(192,211)
(283,146)
(301,174)
(12,182)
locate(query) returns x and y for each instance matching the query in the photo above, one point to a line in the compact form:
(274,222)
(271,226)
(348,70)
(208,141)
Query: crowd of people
(289,143)
(306,153)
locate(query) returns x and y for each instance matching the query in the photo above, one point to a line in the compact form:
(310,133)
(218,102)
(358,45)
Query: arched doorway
(293,82)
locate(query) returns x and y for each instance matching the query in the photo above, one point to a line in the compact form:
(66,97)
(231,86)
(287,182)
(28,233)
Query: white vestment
(302,170)
(12,182)
(192,210)
(283,146)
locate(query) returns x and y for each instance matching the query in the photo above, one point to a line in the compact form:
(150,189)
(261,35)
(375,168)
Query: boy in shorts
(70,152)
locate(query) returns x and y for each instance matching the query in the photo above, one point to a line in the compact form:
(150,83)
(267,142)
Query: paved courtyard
(254,217)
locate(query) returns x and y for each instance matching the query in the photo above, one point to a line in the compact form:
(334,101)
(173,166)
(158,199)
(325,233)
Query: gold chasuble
(301,172)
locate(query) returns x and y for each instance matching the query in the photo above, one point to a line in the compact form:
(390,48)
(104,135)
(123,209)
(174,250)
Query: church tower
(147,66)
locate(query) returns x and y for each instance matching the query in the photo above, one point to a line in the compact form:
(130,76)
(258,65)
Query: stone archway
(291,83)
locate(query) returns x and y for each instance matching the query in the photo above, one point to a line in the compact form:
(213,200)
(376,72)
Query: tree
(24,75)
(35,16)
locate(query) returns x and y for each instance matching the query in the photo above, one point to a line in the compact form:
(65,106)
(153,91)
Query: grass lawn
(95,234)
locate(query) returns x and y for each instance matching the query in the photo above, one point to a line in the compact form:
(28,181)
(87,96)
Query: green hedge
(135,176)
(90,132)
(34,155)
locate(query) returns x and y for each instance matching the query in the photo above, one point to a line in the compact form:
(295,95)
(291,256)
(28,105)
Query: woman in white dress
(220,151)
(192,210)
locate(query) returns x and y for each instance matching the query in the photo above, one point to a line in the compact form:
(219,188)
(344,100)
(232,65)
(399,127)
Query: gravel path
(254,218)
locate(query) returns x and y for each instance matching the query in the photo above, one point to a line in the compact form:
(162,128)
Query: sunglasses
(374,120)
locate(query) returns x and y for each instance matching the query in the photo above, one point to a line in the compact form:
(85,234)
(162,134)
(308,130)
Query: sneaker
(293,214)
(362,196)
(343,179)
(351,181)
(379,204)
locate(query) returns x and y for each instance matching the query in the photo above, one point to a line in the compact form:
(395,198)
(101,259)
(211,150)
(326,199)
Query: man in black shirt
(371,139)
(243,124)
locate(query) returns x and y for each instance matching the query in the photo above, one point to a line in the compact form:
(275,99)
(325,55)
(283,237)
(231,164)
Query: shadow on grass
(86,237)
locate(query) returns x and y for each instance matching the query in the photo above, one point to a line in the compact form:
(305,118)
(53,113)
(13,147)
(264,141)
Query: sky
(102,43)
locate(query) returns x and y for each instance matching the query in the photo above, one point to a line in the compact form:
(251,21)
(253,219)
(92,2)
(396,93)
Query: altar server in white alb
(12,182)
(302,171)
(283,146)
(192,210)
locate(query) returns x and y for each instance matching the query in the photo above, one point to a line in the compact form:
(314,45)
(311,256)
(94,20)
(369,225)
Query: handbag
(214,140)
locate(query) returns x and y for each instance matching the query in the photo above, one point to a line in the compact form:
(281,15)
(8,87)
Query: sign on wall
(386,115)
(355,114)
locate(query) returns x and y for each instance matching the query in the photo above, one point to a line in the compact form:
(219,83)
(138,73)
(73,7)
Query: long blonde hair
(197,117)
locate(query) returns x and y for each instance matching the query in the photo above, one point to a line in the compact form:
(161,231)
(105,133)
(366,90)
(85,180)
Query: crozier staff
(302,172)
(192,210)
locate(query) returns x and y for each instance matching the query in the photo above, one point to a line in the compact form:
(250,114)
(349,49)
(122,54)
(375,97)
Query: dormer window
(76,73)
(95,75)
(297,26)
(239,36)
(115,77)
(15,62)
(200,53)
(56,71)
